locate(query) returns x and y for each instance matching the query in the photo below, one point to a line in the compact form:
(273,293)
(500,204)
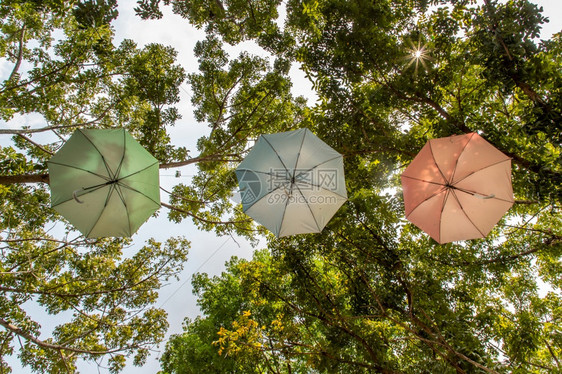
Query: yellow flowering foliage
(244,337)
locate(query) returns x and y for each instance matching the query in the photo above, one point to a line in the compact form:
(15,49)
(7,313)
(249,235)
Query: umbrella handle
(76,197)
(484,197)
(475,194)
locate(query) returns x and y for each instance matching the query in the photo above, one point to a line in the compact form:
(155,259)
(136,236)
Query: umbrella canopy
(292,182)
(457,188)
(104,183)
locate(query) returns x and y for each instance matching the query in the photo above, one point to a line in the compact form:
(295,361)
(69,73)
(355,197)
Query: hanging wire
(186,91)
(191,275)
(176,176)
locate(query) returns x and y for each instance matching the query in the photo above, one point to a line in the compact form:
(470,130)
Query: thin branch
(547,232)
(16,272)
(44,178)
(509,63)
(64,361)
(526,202)
(98,292)
(32,239)
(201,218)
(36,144)
(54,71)
(183,198)
(210,158)
(20,54)
(24,334)
(49,128)
(64,245)
(42,129)
(552,353)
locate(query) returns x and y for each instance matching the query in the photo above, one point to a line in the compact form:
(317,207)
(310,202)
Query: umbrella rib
(97,185)
(323,188)
(447,193)
(245,209)
(257,172)
(137,191)
(477,193)
(277,154)
(429,197)
(120,193)
(111,186)
(323,162)
(436,164)
(423,180)
(301,172)
(298,155)
(464,212)
(101,154)
(308,206)
(139,171)
(122,157)
(460,154)
(286,205)
(78,168)
(482,168)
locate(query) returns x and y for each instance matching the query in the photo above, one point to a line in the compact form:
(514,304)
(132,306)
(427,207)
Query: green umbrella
(104,183)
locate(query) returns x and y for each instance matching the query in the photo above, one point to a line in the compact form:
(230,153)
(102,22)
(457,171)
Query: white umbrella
(292,182)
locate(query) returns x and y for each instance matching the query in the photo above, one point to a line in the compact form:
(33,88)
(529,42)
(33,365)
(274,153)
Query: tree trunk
(24,178)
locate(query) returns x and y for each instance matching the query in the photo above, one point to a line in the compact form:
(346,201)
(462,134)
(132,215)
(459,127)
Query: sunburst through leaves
(417,54)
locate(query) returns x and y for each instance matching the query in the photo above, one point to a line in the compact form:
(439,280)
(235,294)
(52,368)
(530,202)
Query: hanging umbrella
(457,188)
(104,183)
(292,182)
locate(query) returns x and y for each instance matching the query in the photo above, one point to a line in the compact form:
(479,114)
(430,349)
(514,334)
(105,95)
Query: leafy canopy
(372,293)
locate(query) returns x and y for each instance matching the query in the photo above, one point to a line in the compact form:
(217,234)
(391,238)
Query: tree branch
(323,316)
(209,158)
(509,63)
(90,293)
(24,334)
(49,128)
(24,178)
(54,71)
(527,202)
(36,144)
(44,178)
(20,54)
(201,218)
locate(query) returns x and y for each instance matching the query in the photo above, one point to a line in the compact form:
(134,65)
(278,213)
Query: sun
(417,54)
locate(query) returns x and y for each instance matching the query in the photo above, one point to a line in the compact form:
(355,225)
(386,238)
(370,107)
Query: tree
(364,298)
(102,293)
(372,293)
(83,80)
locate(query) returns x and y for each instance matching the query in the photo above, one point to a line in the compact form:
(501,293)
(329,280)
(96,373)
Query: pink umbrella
(457,188)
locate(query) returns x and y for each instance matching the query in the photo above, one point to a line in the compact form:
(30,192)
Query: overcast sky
(208,253)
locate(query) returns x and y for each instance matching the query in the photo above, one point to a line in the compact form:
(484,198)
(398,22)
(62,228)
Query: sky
(208,252)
